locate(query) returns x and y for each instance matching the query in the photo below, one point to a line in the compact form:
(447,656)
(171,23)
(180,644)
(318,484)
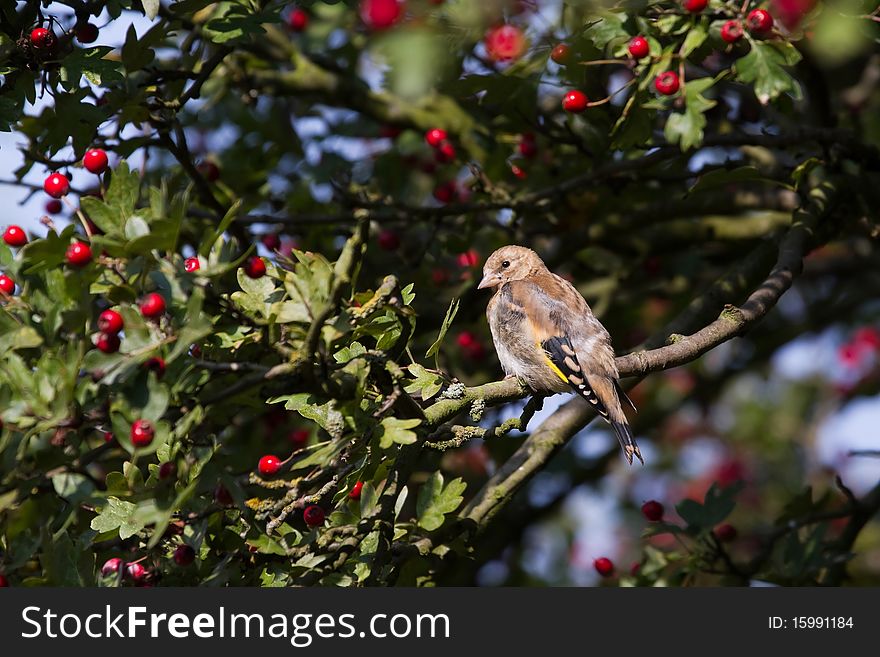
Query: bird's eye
(505,264)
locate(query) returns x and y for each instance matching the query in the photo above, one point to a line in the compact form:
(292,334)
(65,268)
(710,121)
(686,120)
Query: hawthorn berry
(695,6)
(604,566)
(142,433)
(518,171)
(209,170)
(152,305)
(313,515)
(110,321)
(388,240)
(469,258)
(505,43)
(157,365)
(725,533)
(667,83)
(731,31)
(380,14)
(95,160)
(635,568)
(355,492)
(222,495)
(269,465)
(167,470)
(86,32)
(109,437)
(639,47)
(53,206)
(78,254)
(7,285)
(136,572)
(527,145)
(561,54)
(255,267)
(111,566)
(56,185)
(445,152)
(184,555)
(445,192)
(297,20)
(575,101)
(108,343)
(15,236)
(652,510)
(299,437)
(271,241)
(4,583)
(43,39)
(435,136)
(191,264)
(466,339)
(759,21)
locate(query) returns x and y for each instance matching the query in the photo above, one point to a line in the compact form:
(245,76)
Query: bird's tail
(627,441)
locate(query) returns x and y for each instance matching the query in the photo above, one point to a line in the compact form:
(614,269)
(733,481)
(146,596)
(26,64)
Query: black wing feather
(562,353)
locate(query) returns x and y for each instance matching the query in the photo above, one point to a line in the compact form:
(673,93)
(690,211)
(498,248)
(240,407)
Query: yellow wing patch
(558,372)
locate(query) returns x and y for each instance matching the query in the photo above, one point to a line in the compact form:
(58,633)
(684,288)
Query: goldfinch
(546,335)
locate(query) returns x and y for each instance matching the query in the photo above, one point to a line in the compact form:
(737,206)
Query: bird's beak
(489,280)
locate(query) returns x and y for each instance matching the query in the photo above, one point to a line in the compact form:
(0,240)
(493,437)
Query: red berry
(167,470)
(42,39)
(505,43)
(53,206)
(466,339)
(86,32)
(96,160)
(78,254)
(142,432)
(635,568)
(639,47)
(355,492)
(561,54)
(731,31)
(667,83)
(157,365)
(15,236)
(4,583)
(435,137)
(110,321)
(108,343)
(445,153)
(519,172)
(445,192)
(152,305)
(725,533)
(56,185)
(389,132)
(440,276)
(527,146)
(209,170)
(313,515)
(191,264)
(255,267)
(604,566)
(695,6)
(469,258)
(7,285)
(867,337)
(222,495)
(652,510)
(269,465)
(388,240)
(299,437)
(136,572)
(575,101)
(759,21)
(271,241)
(380,14)
(297,20)
(184,555)
(111,566)
(109,437)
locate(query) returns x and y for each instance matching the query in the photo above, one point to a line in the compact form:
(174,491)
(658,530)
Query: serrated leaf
(117,514)
(447,322)
(764,68)
(436,500)
(393,430)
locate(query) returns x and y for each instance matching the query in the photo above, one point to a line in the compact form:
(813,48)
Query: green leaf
(395,431)
(686,128)
(694,39)
(717,505)
(426,383)
(608,28)
(436,500)
(764,68)
(447,322)
(117,514)
(90,62)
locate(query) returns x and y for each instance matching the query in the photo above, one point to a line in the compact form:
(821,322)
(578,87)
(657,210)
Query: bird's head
(510,263)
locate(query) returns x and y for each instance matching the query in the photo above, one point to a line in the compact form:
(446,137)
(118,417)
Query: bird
(546,335)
